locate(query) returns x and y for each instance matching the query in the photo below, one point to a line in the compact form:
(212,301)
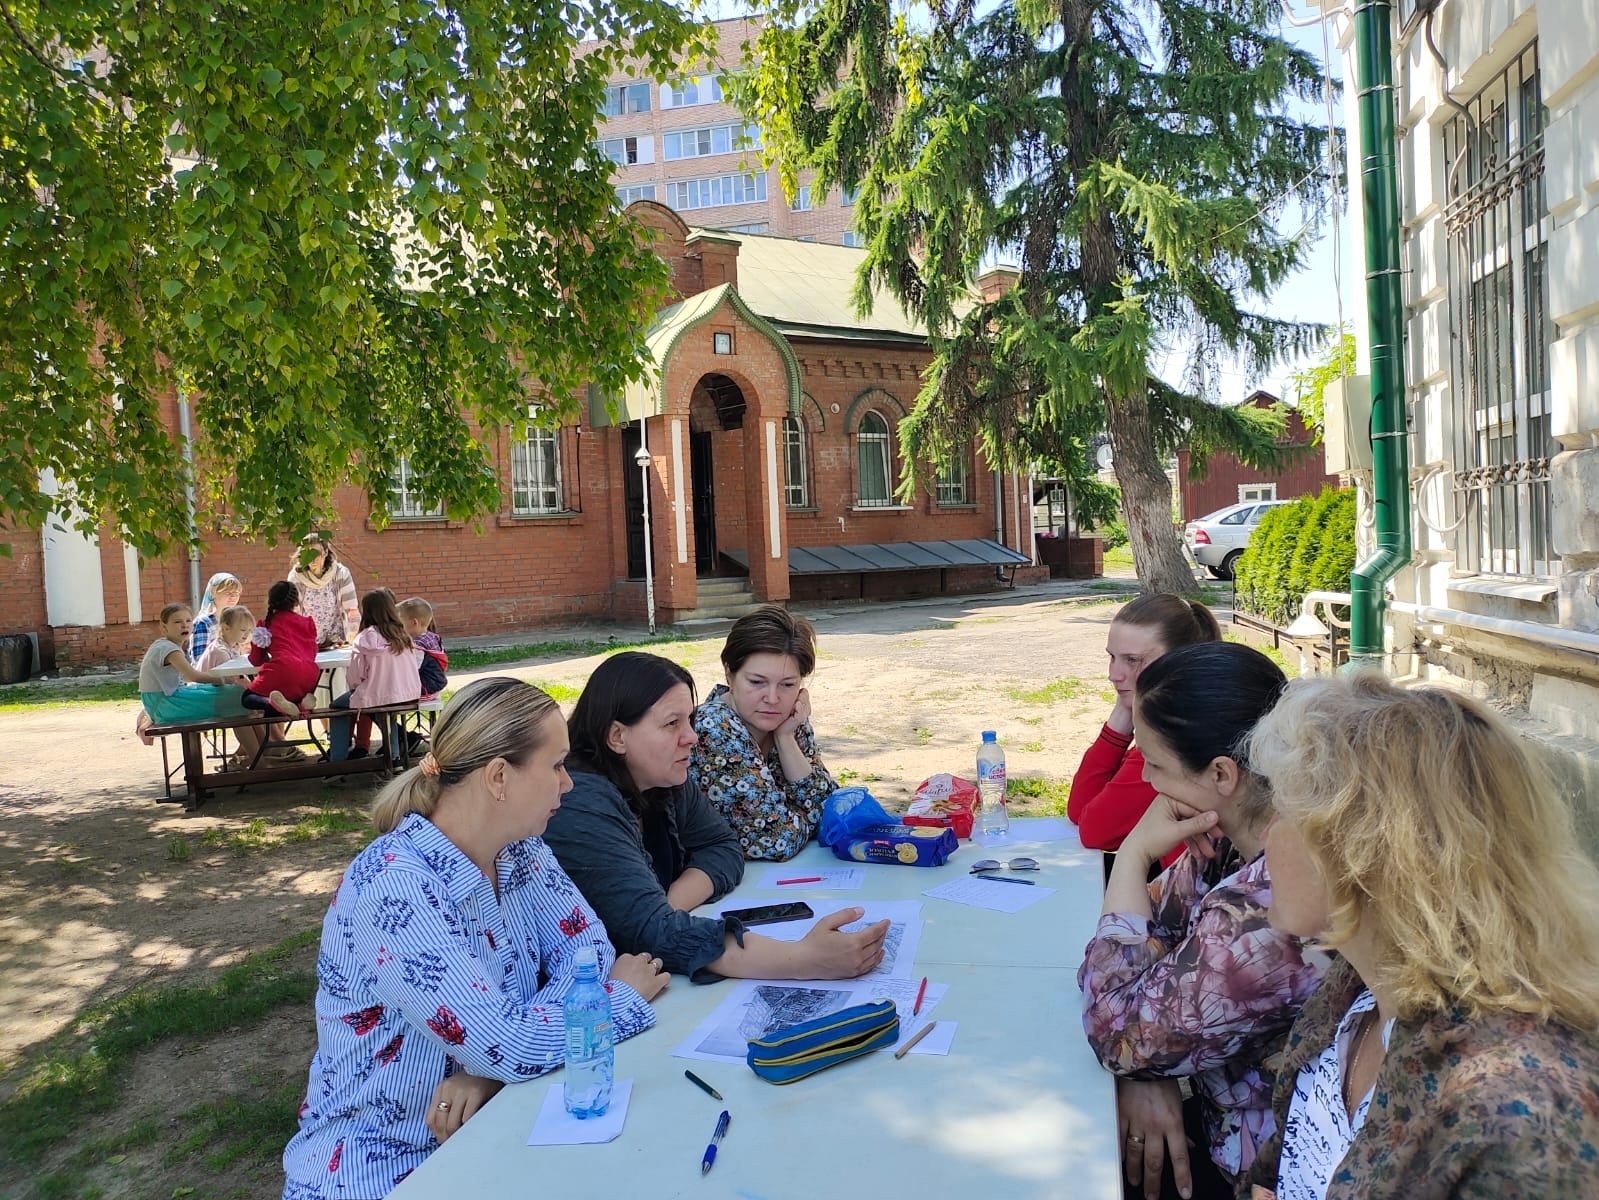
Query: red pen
(802,879)
(916,1010)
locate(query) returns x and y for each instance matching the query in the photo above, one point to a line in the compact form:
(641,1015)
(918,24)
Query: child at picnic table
(416,616)
(1108,793)
(448,950)
(384,669)
(222,590)
(283,646)
(1452,1052)
(1185,978)
(232,639)
(756,758)
(173,690)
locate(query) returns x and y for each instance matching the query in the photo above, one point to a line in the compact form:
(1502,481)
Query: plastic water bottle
(992,819)
(590,1054)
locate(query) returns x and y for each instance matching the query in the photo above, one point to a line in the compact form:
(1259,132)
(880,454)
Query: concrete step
(718,611)
(717,589)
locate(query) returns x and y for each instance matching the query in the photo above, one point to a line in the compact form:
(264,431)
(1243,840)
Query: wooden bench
(198,785)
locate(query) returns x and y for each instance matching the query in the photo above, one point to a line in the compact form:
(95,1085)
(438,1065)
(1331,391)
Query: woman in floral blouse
(448,949)
(1185,979)
(756,758)
(1453,1051)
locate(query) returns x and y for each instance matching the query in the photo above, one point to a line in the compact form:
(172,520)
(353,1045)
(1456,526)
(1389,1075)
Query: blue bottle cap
(988,735)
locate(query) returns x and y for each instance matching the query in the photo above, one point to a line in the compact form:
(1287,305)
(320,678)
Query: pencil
(918,1036)
(921,994)
(702,1085)
(804,879)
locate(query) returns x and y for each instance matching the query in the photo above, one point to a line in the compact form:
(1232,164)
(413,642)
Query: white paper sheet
(903,993)
(939,1041)
(1040,829)
(988,893)
(753,1008)
(834,879)
(899,944)
(557,1127)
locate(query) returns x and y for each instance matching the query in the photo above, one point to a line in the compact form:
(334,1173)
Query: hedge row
(1305,546)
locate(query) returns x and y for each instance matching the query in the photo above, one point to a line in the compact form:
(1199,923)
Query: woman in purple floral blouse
(1187,988)
(756,758)
(1453,1051)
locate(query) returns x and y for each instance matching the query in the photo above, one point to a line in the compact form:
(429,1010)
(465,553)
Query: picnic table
(1020,1108)
(327,661)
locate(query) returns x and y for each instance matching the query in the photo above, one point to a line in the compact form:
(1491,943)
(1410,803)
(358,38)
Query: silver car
(1217,541)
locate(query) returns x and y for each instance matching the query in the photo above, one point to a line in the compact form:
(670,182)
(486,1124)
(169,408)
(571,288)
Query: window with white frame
(796,474)
(802,200)
(628,151)
(851,238)
(536,473)
(624,98)
(872,461)
(751,227)
(848,195)
(639,191)
(953,483)
(1256,491)
(1497,226)
(711,139)
(696,89)
(405,497)
(715,192)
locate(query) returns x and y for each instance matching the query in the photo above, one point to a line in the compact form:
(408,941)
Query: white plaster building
(1498,119)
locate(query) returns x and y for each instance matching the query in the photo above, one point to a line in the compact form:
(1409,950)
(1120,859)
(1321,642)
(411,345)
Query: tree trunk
(1146,498)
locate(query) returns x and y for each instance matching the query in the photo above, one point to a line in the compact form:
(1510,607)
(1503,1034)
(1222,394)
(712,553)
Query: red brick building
(1228,481)
(771,422)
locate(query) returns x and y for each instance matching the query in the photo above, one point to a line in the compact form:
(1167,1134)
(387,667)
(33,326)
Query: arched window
(797,488)
(872,460)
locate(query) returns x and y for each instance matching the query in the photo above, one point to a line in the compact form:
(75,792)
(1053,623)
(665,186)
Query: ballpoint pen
(1006,879)
(921,994)
(710,1151)
(702,1085)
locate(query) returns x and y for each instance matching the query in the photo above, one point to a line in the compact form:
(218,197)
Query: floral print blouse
(1503,1106)
(1207,990)
(772,817)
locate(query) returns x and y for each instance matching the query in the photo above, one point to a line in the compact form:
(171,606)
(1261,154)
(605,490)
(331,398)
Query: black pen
(702,1085)
(710,1151)
(1006,879)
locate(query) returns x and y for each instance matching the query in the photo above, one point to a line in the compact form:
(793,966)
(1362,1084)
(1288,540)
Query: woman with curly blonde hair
(1454,1051)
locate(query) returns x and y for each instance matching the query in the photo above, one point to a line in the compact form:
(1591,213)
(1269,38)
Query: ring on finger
(444,1106)
(1136,1139)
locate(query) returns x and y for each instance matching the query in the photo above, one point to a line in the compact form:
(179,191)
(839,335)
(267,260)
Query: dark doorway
(703,484)
(634,503)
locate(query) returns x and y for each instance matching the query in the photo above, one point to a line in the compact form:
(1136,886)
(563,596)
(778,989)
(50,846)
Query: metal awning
(894,556)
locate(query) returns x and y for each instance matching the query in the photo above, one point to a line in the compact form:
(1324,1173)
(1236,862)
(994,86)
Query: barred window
(873,461)
(953,483)
(796,478)
(536,473)
(405,497)
(1497,225)
(712,139)
(716,191)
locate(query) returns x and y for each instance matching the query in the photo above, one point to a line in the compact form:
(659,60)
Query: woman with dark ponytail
(1185,977)
(448,949)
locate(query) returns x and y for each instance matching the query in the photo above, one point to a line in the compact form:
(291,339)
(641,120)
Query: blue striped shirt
(422,973)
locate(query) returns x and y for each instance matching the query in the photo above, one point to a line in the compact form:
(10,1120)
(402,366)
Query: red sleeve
(1108,793)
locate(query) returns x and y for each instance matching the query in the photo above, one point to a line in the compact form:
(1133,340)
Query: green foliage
(1134,156)
(350,231)
(1305,546)
(1115,533)
(1310,384)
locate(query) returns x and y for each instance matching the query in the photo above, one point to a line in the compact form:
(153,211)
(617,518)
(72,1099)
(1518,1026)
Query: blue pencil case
(785,1055)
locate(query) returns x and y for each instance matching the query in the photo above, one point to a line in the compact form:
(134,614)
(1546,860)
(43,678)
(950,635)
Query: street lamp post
(642,457)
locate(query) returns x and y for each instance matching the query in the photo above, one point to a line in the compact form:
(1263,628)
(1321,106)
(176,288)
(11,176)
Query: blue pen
(710,1151)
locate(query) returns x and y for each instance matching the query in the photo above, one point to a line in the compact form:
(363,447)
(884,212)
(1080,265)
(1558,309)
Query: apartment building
(683,145)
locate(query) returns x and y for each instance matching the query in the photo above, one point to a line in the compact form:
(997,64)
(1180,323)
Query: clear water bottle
(992,819)
(590,1055)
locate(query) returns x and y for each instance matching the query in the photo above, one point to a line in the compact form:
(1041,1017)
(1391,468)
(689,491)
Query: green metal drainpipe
(1390,452)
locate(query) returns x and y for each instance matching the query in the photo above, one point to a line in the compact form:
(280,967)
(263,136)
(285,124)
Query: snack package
(946,801)
(903,844)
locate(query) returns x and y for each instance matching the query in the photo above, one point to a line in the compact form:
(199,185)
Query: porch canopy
(895,556)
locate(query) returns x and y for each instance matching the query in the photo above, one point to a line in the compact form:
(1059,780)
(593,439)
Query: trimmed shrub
(1305,546)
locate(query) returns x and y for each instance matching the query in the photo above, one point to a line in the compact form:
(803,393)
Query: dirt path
(102,889)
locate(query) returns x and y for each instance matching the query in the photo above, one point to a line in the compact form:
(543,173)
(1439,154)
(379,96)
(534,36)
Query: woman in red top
(1109,795)
(283,645)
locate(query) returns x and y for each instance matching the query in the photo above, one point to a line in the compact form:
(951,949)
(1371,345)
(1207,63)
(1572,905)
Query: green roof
(804,288)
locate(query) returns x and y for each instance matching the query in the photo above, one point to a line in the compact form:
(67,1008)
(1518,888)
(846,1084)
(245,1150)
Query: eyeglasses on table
(983,865)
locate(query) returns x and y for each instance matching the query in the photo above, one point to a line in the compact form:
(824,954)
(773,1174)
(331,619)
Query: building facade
(1498,161)
(1228,481)
(683,145)
(770,422)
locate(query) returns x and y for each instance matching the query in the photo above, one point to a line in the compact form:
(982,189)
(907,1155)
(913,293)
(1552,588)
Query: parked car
(1217,541)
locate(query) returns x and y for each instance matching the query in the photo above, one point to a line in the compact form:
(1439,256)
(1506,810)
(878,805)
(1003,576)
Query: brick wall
(1306,475)
(22,585)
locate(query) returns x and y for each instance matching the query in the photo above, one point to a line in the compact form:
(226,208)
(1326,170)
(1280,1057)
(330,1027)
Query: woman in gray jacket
(645,847)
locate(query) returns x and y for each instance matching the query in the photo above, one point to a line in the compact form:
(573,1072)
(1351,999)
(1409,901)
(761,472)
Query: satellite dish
(1103,456)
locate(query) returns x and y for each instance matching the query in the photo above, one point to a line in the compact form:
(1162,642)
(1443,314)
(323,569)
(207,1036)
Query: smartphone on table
(771,914)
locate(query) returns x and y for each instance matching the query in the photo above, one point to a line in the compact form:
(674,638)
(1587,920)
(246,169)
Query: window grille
(796,479)
(1497,226)
(952,485)
(536,474)
(872,460)
(405,498)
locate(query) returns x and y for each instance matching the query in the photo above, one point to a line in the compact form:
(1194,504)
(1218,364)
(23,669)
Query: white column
(774,511)
(74,590)
(130,572)
(679,510)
